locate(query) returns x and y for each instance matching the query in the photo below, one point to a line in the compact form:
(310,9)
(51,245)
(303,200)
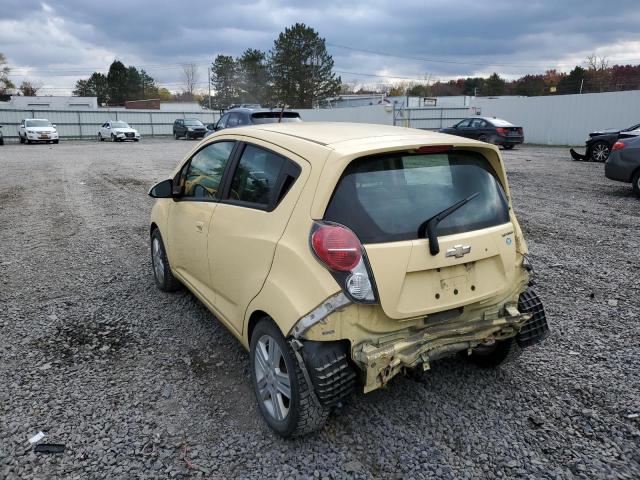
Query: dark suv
(188,128)
(239,117)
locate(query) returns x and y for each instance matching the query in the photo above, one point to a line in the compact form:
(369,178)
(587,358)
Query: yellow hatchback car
(343,254)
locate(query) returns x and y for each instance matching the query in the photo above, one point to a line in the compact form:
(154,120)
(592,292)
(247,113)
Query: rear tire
(483,138)
(508,147)
(636,183)
(165,280)
(284,398)
(495,355)
(175,135)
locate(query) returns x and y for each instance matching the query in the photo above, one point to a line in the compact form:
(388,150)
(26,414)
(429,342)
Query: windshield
(119,125)
(193,123)
(388,197)
(274,117)
(37,123)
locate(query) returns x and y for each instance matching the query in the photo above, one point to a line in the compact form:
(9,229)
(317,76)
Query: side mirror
(164,189)
(108,126)
(211,126)
(53,125)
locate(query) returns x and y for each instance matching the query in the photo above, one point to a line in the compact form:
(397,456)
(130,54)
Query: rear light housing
(519,130)
(618,145)
(339,250)
(501,131)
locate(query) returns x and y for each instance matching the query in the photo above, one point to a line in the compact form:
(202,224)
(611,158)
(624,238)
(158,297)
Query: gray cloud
(72,37)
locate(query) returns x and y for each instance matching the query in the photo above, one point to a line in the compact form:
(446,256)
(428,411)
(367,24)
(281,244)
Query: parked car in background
(117,131)
(599,143)
(623,163)
(188,128)
(242,116)
(37,130)
(488,129)
(341,255)
(1,137)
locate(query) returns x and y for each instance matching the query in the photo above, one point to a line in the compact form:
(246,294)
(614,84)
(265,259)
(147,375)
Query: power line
(460,62)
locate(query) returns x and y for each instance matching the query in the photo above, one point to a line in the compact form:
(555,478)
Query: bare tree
(598,71)
(190,75)
(29,88)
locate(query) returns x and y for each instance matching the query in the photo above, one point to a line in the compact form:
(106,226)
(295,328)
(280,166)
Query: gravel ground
(140,384)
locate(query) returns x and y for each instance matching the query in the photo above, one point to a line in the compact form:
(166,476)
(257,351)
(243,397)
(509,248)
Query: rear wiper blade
(430,226)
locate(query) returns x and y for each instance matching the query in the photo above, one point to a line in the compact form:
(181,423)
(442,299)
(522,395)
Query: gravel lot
(140,384)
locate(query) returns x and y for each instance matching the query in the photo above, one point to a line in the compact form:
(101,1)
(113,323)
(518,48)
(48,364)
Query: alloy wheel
(158,261)
(600,152)
(272,378)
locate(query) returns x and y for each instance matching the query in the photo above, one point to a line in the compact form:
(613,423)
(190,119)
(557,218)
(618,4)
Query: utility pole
(209,83)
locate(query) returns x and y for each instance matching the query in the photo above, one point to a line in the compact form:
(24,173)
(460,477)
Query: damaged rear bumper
(381,361)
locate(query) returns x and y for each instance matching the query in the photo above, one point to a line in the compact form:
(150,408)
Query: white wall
(367,114)
(565,119)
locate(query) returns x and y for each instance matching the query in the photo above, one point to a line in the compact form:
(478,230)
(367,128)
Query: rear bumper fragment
(381,362)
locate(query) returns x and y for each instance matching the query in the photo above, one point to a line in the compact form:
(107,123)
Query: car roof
(346,137)
(45,119)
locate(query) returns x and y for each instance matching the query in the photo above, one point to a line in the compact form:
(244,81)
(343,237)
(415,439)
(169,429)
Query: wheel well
(253,321)
(633,174)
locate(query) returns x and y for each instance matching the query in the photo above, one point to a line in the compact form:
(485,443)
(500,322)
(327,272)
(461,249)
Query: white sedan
(37,130)
(117,131)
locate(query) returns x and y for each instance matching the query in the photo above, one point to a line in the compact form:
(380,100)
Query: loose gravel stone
(141,384)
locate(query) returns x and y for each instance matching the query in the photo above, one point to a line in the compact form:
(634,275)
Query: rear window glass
(274,117)
(387,197)
(498,122)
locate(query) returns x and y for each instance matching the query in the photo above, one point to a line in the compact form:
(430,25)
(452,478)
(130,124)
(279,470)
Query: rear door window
(262,178)
(387,197)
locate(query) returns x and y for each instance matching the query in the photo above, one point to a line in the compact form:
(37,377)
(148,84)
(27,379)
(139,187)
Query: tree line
(598,76)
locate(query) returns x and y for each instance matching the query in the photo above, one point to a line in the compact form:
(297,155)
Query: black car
(488,129)
(599,143)
(188,128)
(623,163)
(239,117)
(1,137)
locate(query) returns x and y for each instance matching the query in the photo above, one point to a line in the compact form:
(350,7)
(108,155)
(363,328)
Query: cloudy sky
(54,43)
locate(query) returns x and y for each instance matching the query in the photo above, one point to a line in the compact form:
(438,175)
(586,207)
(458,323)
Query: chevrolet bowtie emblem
(458,251)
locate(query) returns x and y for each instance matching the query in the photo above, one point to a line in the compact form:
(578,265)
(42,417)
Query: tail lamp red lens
(434,148)
(337,247)
(618,145)
(501,131)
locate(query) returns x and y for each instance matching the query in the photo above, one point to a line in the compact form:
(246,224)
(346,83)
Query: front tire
(284,398)
(113,138)
(21,139)
(636,183)
(600,152)
(100,139)
(165,280)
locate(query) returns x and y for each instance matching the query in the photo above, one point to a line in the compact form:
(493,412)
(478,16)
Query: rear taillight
(340,251)
(501,131)
(337,247)
(519,130)
(618,145)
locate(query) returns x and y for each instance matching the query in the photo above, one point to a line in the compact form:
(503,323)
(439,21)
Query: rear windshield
(274,117)
(387,197)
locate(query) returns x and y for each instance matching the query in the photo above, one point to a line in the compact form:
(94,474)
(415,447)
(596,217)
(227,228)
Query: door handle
(199,226)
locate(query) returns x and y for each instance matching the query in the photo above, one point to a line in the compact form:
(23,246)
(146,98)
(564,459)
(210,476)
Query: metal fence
(430,118)
(85,123)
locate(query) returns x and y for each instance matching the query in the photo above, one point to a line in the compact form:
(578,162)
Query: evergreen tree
(224,77)
(253,77)
(301,68)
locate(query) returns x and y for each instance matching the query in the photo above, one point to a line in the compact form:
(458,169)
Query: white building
(51,103)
